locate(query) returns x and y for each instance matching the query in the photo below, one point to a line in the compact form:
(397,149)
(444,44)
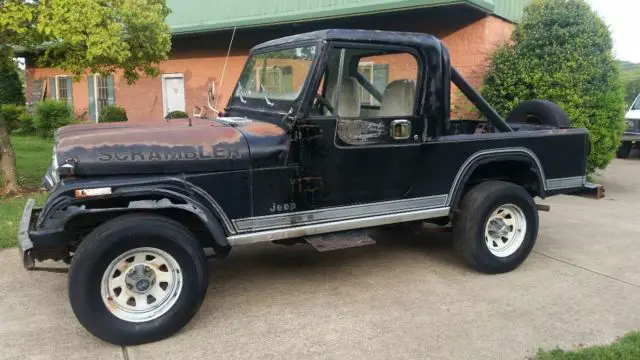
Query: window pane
(63,91)
(276,75)
(102,92)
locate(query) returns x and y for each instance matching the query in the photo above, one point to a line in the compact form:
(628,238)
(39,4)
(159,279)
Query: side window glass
(387,84)
(375,96)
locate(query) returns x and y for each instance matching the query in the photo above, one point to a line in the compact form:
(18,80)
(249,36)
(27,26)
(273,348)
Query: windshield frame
(279,106)
(636,104)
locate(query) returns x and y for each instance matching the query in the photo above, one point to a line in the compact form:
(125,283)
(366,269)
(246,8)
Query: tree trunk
(7,160)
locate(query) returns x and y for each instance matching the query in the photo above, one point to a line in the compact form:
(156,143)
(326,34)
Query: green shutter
(52,88)
(69,81)
(92,98)
(111,90)
(287,79)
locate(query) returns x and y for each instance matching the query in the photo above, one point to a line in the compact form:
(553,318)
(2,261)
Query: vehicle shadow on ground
(273,263)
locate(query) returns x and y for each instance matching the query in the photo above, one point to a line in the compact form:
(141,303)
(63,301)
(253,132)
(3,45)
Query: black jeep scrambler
(326,134)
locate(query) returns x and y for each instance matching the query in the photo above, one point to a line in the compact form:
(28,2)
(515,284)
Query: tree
(76,35)
(562,51)
(11,89)
(11,93)
(81,35)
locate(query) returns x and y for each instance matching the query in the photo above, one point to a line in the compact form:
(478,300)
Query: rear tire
(137,279)
(624,150)
(496,227)
(539,112)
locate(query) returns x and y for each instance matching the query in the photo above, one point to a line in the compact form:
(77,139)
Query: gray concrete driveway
(405,298)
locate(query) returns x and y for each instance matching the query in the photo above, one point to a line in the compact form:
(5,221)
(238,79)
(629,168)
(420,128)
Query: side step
(591,190)
(341,240)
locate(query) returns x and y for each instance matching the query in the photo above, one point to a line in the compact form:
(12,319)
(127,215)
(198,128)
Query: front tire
(496,227)
(137,278)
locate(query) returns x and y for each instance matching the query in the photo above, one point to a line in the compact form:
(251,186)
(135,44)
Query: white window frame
(57,77)
(367,64)
(95,94)
(164,77)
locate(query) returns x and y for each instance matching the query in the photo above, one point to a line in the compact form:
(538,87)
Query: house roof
(193,16)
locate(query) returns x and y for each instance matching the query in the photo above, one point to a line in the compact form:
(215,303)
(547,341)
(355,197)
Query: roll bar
(479,102)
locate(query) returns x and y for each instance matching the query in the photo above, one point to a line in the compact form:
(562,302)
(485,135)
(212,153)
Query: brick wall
(470,36)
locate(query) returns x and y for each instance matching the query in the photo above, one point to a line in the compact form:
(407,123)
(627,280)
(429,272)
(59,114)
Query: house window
(366,69)
(271,79)
(63,88)
(102,92)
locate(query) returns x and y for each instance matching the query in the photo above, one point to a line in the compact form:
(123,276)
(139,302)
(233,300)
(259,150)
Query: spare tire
(539,112)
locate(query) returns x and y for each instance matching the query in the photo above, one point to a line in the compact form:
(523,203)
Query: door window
(377,87)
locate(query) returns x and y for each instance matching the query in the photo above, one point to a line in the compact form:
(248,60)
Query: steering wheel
(324,102)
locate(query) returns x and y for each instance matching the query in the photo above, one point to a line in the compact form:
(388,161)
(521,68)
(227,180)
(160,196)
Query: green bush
(177,115)
(11,90)
(27,125)
(562,52)
(11,114)
(112,113)
(50,115)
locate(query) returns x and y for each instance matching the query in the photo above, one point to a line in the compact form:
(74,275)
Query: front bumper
(40,244)
(631,136)
(25,245)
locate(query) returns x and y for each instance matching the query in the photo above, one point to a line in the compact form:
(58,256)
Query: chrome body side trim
(566,183)
(309,217)
(342,225)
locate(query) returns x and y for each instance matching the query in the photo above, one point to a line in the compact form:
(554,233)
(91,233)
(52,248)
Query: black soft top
(374,36)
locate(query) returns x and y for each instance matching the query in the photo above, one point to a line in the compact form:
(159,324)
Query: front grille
(633,125)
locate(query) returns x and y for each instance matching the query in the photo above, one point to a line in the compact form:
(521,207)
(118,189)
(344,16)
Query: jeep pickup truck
(631,136)
(326,135)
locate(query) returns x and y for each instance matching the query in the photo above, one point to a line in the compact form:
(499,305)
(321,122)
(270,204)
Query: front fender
(62,207)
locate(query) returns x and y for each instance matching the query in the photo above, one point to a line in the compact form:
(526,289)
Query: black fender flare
(212,219)
(484,157)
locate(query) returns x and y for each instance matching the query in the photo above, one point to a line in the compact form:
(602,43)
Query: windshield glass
(636,105)
(275,75)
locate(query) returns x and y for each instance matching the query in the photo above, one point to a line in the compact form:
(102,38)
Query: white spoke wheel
(505,230)
(141,285)
(137,278)
(495,227)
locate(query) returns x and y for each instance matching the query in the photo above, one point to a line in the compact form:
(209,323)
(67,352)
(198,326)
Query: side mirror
(400,129)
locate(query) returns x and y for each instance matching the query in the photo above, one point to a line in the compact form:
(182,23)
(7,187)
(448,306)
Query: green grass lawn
(626,348)
(10,214)
(33,157)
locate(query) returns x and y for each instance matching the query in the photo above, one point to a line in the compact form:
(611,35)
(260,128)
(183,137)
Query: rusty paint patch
(262,129)
(96,137)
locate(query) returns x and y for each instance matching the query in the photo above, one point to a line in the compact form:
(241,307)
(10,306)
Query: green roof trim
(511,10)
(205,15)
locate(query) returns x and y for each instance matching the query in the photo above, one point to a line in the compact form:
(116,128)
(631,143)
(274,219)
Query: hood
(168,147)
(633,115)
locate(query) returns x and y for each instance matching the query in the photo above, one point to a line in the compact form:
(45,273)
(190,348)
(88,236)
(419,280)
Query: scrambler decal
(198,153)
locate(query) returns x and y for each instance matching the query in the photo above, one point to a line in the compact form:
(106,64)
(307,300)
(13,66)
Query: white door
(173,91)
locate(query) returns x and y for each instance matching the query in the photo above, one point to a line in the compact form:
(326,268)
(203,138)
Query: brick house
(202,30)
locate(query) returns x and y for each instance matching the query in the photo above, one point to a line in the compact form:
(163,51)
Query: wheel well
(83,224)
(519,172)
